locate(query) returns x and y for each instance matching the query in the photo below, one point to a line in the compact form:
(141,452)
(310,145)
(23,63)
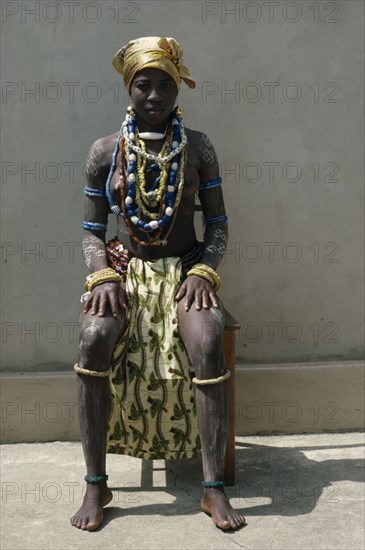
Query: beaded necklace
(129,133)
(156,237)
(153,210)
(154,196)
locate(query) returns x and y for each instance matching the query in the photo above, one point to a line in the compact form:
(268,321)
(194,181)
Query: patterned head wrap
(152,52)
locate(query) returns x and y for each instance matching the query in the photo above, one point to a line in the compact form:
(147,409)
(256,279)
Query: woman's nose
(154,95)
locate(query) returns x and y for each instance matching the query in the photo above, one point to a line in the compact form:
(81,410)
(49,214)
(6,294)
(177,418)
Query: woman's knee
(98,337)
(204,338)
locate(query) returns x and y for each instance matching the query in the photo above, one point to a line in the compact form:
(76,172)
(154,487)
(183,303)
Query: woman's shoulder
(202,145)
(99,160)
(101,151)
(197,137)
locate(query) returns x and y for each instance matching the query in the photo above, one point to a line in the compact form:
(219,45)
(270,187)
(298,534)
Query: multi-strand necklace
(152,210)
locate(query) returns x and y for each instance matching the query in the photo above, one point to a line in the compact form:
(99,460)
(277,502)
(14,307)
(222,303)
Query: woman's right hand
(106,294)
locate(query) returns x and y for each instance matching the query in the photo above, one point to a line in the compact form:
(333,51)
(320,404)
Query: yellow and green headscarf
(152,52)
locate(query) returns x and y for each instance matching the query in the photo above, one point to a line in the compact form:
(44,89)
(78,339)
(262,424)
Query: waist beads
(119,257)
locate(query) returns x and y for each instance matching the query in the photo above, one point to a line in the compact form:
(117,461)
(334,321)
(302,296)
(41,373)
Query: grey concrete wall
(295,398)
(280,95)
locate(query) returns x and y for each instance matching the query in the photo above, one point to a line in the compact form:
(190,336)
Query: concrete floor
(296,491)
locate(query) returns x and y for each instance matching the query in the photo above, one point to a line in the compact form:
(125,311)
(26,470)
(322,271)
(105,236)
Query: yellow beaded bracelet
(203,275)
(207,273)
(207,277)
(215,282)
(101,276)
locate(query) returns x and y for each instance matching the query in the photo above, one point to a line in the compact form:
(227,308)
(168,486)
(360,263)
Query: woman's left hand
(197,290)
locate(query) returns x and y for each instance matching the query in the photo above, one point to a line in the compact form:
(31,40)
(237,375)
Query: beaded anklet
(222,378)
(212,484)
(93,480)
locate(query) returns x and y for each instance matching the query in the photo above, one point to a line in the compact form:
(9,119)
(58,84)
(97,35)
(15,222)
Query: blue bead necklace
(133,201)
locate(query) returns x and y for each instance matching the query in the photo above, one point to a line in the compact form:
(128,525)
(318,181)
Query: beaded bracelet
(214,280)
(101,276)
(207,273)
(216,283)
(203,275)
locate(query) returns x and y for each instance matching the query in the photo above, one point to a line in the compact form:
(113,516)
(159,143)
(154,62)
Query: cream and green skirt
(153,413)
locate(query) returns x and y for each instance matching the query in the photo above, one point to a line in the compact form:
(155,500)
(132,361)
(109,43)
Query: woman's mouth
(154,111)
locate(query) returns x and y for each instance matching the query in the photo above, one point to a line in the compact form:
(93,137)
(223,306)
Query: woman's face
(153,94)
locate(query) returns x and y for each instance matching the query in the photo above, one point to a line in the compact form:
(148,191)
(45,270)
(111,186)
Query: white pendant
(151,135)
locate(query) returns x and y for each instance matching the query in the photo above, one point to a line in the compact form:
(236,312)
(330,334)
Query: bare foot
(216,504)
(90,515)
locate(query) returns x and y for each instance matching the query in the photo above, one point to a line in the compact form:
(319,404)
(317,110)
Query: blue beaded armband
(216,219)
(210,184)
(92,226)
(90,192)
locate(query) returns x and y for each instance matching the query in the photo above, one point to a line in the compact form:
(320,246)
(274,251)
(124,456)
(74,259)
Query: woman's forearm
(94,251)
(215,243)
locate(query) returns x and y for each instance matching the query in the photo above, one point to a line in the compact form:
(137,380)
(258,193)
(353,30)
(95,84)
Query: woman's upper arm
(97,167)
(210,196)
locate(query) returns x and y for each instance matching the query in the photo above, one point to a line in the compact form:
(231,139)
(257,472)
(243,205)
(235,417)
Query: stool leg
(229,355)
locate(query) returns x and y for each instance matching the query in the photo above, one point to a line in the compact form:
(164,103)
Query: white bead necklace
(176,148)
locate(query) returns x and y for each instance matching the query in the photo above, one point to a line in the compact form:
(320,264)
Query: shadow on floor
(284,477)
